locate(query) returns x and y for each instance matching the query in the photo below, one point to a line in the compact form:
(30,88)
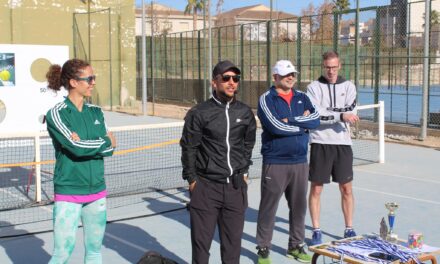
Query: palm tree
(341,5)
(219,8)
(193,7)
(435,17)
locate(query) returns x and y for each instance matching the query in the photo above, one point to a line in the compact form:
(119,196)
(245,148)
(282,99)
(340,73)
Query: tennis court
(159,221)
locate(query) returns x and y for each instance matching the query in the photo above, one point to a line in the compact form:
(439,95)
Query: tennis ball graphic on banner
(5,75)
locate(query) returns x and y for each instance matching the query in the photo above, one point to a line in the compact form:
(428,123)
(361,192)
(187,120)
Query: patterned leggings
(66,217)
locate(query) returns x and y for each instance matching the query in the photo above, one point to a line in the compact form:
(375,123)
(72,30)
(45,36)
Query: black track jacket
(217,140)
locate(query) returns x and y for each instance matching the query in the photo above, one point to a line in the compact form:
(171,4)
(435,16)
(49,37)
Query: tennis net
(147,161)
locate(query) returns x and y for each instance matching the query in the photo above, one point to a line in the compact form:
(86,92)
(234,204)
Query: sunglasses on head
(226,78)
(88,79)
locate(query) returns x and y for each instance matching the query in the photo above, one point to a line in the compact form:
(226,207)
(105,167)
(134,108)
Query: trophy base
(392,238)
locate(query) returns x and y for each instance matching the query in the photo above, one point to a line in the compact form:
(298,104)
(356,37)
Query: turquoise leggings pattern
(66,216)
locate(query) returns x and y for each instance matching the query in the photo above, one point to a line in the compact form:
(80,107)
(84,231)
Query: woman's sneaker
(299,254)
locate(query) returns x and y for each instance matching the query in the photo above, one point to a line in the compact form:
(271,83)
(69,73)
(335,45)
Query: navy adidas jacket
(285,143)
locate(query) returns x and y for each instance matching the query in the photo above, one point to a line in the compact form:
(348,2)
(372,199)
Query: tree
(433,25)
(219,7)
(434,19)
(308,21)
(340,6)
(325,23)
(193,7)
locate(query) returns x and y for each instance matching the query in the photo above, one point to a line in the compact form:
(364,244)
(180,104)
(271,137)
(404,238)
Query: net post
(37,168)
(381,132)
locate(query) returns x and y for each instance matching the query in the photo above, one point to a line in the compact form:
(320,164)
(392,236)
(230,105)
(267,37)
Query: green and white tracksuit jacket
(79,168)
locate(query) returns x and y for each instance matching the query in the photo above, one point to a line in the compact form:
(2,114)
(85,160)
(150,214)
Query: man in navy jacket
(286,115)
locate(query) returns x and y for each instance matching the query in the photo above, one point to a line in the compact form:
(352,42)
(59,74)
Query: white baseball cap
(283,67)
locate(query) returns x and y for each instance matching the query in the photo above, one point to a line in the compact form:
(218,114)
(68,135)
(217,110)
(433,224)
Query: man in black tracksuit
(217,142)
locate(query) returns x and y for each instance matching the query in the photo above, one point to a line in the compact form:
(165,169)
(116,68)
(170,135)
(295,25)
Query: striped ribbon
(377,245)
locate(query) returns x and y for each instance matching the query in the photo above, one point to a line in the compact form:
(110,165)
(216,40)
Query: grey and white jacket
(331,100)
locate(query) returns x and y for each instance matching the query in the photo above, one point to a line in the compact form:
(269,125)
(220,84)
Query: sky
(288,6)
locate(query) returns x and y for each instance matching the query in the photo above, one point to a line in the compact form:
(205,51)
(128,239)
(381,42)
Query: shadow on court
(131,242)
(29,250)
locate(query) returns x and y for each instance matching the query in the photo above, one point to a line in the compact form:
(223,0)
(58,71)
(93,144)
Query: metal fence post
(37,168)
(199,56)
(219,34)
(268,52)
(336,30)
(181,66)
(356,57)
(424,121)
(243,93)
(298,49)
(110,56)
(376,59)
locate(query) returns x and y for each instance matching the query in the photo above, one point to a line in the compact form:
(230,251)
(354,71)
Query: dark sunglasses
(293,74)
(226,78)
(88,79)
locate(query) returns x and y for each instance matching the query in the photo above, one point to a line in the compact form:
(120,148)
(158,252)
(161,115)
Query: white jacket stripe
(278,124)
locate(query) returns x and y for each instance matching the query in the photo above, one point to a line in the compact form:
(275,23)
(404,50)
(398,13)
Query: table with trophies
(385,247)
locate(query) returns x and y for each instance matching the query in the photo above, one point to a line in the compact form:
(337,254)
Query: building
(169,20)
(165,20)
(403,17)
(347,35)
(255,17)
(105,37)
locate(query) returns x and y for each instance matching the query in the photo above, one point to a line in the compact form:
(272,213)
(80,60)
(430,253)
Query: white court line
(20,197)
(128,243)
(397,176)
(13,194)
(398,195)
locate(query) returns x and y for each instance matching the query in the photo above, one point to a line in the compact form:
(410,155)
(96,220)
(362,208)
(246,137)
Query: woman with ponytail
(81,141)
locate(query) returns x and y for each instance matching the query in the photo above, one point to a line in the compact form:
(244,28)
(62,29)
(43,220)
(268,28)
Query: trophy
(392,207)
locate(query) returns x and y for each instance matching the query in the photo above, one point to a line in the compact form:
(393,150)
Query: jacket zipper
(87,133)
(330,94)
(227,141)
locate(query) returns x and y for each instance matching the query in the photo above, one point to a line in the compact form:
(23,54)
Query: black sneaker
(263,255)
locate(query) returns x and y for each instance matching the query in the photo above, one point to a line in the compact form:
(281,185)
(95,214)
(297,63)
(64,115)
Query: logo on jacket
(300,102)
(238,120)
(97,122)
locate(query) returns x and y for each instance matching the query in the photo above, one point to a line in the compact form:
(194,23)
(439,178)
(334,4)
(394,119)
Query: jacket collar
(220,101)
(323,80)
(71,105)
(274,92)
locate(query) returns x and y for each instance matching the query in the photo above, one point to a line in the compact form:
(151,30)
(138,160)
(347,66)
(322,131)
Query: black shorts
(334,160)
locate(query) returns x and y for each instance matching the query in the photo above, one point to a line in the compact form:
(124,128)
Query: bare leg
(315,203)
(347,202)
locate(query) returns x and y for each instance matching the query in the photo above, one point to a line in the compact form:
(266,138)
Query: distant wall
(110,46)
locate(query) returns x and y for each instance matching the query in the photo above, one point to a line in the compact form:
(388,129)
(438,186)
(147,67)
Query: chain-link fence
(386,65)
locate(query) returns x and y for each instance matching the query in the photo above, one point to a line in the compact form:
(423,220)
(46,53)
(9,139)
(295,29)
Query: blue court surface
(408,177)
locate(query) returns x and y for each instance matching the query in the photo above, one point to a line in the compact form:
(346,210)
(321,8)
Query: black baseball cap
(224,66)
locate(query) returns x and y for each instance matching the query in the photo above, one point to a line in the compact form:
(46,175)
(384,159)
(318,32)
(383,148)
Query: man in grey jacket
(331,153)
